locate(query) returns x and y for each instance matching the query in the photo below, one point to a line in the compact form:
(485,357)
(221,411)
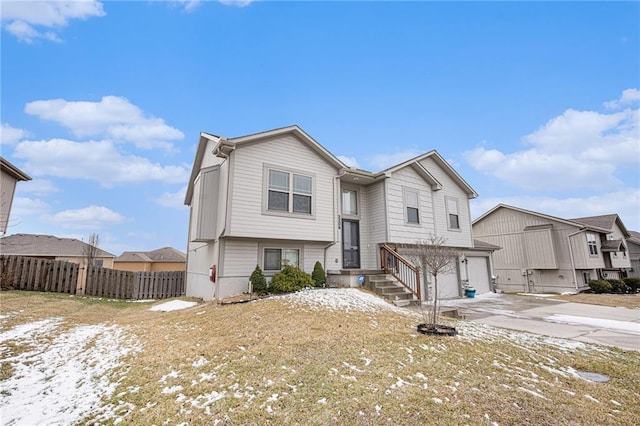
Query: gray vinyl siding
(522,265)
(377,220)
(398,230)
(7,189)
(239,257)
(457,238)
(246,218)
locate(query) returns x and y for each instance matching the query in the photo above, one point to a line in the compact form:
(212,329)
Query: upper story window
(289,192)
(453,218)
(593,245)
(349,202)
(412,206)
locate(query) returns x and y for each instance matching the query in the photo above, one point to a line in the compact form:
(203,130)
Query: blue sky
(536,104)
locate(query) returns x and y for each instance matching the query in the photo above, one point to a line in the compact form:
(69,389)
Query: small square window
(272,259)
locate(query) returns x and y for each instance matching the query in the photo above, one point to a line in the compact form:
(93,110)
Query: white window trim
(446,206)
(595,244)
(290,213)
(405,192)
(276,246)
(358,205)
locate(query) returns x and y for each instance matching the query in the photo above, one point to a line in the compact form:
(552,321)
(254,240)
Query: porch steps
(387,287)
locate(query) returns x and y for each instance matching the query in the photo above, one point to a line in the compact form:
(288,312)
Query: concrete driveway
(603,325)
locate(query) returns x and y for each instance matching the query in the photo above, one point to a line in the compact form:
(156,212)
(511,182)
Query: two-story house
(279,197)
(542,253)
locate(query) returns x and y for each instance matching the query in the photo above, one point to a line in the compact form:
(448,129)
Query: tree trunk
(435,299)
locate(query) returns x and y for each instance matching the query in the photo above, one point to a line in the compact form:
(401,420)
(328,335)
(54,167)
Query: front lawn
(631,301)
(334,356)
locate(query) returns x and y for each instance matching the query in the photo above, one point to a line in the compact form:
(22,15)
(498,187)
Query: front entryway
(350,244)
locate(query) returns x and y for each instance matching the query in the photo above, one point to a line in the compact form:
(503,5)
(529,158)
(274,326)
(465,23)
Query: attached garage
(479,277)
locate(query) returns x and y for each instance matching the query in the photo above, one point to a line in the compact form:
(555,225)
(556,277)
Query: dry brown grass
(274,363)
(631,301)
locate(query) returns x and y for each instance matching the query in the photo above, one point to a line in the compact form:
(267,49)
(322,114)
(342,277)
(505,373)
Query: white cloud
(113,117)
(28,20)
(91,217)
(384,161)
(578,149)
(624,202)
(24,206)
(172,199)
(189,5)
(38,187)
(11,135)
(628,97)
(349,161)
(98,161)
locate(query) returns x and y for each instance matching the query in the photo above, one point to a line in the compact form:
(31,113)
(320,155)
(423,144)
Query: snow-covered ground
(66,371)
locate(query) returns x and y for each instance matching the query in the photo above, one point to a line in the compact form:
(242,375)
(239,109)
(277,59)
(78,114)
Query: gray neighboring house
(279,197)
(634,253)
(542,253)
(54,248)
(10,175)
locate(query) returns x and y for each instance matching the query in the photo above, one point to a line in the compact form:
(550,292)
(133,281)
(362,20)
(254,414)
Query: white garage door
(479,274)
(448,286)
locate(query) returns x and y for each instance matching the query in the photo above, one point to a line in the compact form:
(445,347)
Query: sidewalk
(611,326)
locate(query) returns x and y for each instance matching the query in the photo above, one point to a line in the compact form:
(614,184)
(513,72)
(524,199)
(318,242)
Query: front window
(412,203)
(289,192)
(452,212)
(593,246)
(349,202)
(276,258)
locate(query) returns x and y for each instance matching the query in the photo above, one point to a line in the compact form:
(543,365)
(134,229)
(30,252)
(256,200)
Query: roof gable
(604,221)
(164,254)
(12,170)
(46,245)
(437,158)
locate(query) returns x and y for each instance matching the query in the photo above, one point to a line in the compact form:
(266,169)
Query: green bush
(617,286)
(600,286)
(633,284)
(318,275)
(289,280)
(258,281)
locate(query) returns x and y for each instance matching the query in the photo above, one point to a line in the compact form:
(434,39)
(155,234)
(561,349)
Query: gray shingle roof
(164,254)
(45,245)
(605,221)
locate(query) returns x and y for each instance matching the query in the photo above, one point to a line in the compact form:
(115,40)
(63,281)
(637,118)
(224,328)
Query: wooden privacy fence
(28,273)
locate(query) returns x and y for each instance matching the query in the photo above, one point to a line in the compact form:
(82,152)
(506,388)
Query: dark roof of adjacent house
(604,221)
(45,245)
(634,237)
(164,254)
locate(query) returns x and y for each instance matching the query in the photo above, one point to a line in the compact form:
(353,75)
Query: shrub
(318,275)
(258,281)
(290,279)
(633,284)
(600,286)
(617,286)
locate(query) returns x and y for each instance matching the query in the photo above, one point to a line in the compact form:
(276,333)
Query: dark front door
(350,244)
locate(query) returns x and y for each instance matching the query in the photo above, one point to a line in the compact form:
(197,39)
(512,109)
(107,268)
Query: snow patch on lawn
(340,299)
(628,326)
(173,305)
(62,375)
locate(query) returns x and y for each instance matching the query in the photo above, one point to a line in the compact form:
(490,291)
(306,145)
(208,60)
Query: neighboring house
(9,177)
(633,243)
(162,259)
(279,197)
(50,247)
(542,253)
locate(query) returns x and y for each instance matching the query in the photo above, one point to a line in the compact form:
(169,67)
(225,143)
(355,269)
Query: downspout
(573,264)
(218,153)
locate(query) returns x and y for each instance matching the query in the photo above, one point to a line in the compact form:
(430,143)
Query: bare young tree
(90,250)
(432,256)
